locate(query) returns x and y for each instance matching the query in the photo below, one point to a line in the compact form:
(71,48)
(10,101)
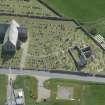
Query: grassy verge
(3,89)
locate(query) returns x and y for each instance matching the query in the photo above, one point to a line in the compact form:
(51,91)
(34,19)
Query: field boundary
(36,17)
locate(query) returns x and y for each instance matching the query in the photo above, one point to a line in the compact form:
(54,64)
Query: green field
(3,89)
(87,93)
(89,12)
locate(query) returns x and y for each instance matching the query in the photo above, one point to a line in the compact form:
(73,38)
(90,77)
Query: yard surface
(3,89)
(84,93)
(49,41)
(89,12)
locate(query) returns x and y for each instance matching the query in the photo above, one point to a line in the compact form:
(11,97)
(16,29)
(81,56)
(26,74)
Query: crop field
(84,93)
(49,41)
(32,7)
(3,89)
(89,12)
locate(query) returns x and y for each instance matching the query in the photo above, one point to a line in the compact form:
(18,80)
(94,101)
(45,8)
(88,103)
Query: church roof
(12,33)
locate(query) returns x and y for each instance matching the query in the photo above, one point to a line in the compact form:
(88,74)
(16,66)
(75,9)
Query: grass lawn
(3,89)
(29,84)
(87,93)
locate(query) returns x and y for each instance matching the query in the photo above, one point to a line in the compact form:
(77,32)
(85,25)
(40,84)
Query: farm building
(11,34)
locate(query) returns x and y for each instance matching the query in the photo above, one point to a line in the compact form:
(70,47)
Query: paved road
(52,75)
(10,95)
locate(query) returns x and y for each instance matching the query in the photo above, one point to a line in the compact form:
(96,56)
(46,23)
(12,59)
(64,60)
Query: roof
(12,33)
(19,96)
(20,93)
(19,101)
(101,40)
(3,27)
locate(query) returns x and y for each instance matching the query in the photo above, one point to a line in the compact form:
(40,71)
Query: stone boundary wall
(36,17)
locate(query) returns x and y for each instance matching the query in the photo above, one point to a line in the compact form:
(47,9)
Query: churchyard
(49,41)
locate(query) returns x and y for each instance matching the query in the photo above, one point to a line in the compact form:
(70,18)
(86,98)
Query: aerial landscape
(52,52)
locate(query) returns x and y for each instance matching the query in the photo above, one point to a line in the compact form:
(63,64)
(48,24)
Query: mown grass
(3,89)
(88,93)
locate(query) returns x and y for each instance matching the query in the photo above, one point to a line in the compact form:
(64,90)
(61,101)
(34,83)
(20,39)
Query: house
(19,97)
(11,38)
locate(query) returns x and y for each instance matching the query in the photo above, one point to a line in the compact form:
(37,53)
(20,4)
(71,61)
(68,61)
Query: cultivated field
(3,89)
(31,7)
(83,93)
(49,41)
